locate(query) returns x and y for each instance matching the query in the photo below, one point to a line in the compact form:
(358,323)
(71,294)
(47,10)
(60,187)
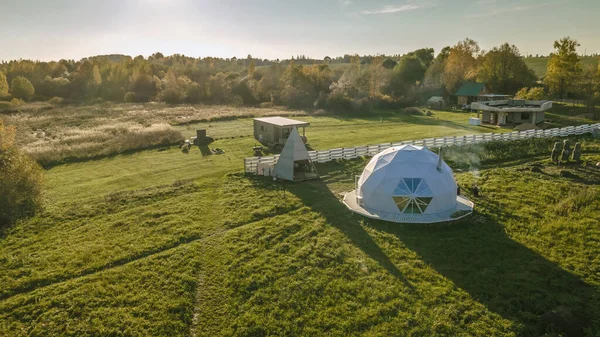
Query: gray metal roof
(281,121)
(435,99)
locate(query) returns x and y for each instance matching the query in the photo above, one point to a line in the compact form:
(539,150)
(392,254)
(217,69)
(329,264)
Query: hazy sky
(72,29)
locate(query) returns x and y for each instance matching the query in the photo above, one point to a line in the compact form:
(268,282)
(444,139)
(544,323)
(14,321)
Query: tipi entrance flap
(294,162)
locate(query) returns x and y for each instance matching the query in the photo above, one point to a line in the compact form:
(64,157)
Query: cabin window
(262,128)
(525,115)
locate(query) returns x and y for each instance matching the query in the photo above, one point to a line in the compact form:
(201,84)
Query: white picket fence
(252,164)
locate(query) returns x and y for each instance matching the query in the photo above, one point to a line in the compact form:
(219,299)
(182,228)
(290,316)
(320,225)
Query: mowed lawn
(165,166)
(162,243)
(326,132)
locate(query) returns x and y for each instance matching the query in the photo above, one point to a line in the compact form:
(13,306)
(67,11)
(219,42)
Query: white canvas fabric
(405,180)
(293,150)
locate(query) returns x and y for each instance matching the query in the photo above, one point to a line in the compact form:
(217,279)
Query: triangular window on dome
(401,202)
(412,208)
(423,202)
(423,189)
(412,183)
(402,189)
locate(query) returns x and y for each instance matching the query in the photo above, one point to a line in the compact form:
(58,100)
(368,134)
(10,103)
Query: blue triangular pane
(416,183)
(401,189)
(409,183)
(423,189)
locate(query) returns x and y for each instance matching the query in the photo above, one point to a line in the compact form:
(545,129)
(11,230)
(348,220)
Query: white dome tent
(408,184)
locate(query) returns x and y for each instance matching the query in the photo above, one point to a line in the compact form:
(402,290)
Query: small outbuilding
(436,102)
(276,130)
(408,184)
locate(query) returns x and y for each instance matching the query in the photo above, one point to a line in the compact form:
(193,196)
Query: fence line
(251,165)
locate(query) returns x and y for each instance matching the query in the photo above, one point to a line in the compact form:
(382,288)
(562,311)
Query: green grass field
(162,243)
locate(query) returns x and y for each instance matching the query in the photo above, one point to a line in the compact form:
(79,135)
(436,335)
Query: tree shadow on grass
(316,195)
(476,254)
(505,276)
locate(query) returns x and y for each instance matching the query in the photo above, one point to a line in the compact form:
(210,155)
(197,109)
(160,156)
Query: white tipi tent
(294,162)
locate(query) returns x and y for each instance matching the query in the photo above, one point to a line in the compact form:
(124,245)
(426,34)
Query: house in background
(470,91)
(436,102)
(504,112)
(276,130)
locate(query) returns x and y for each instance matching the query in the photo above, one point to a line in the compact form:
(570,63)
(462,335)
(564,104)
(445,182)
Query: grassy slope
(158,241)
(539,64)
(230,255)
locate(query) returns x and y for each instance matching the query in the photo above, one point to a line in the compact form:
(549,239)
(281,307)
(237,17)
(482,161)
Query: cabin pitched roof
(470,89)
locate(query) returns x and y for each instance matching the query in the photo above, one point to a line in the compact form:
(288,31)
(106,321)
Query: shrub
(20,87)
(3,85)
(5,105)
(266,105)
(171,95)
(56,100)
(20,180)
(413,111)
(574,203)
(16,102)
(195,93)
(130,97)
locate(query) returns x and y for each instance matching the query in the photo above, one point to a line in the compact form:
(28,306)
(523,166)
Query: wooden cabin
(276,130)
(469,92)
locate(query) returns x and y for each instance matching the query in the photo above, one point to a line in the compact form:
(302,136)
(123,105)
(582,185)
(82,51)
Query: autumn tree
(563,67)
(408,72)
(389,63)
(173,91)
(434,74)
(20,180)
(588,87)
(426,55)
(461,64)
(533,94)
(504,70)
(20,87)
(252,69)
(3,85)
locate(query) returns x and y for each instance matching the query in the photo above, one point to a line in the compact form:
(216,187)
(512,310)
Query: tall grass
(101,141)
(53,134)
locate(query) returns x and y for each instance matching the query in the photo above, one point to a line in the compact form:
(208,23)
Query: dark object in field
(556,152)
(475,190)
(536,169)
(258,150)
(566,174)
(457,189)
(564,157)
(217,151)
(577,153)
(201,138)
(562,320)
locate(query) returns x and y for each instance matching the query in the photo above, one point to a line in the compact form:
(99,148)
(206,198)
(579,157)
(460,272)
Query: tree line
(347,83)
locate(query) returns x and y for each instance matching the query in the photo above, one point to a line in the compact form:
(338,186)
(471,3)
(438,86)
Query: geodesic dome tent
(408,184)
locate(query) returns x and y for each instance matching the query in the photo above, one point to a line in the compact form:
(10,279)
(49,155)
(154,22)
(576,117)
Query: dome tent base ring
(463,205)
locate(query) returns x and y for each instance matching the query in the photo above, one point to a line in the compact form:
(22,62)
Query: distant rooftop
(282,121)
(470,89)
(512,105)
(494,95)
